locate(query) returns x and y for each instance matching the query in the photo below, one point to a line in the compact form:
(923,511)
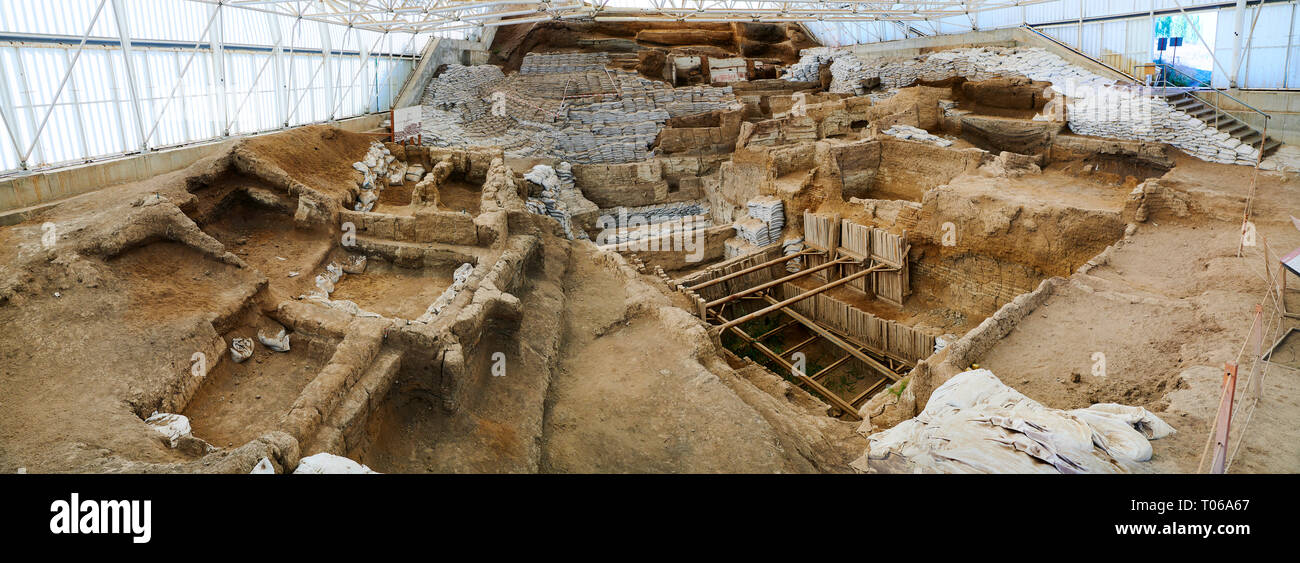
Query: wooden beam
(775,305)
(783,326)
(750,269)
(822,372)
(875,387)
(830,396)
(776,282)
(828,335)
(801,345)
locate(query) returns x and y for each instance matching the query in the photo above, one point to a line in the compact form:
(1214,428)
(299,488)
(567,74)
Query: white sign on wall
(406,123)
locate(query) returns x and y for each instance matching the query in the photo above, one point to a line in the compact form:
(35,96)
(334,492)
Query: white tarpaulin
(329,464)
(974,423)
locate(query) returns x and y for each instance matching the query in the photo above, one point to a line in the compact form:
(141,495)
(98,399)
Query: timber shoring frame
(752,269)
(837,257)
(778,305)
(773,283)
(834,399)
(836,340)
(854,349)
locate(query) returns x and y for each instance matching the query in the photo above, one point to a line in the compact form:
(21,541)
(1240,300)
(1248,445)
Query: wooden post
(1223,421)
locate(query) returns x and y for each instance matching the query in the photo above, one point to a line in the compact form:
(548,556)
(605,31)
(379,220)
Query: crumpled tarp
(974,423)
(329,464)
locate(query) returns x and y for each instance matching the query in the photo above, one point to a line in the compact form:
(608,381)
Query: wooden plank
(863,396)
(761,287)
(832,397)
(797,298)
(750,269)
(820,231)
(828,335)
(780,328)
(1223,421)
(837,363)
(802,345)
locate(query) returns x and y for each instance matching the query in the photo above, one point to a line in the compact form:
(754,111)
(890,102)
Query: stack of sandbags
(753,231)
(770,210)
(736,246)
(791,247)
(765,222)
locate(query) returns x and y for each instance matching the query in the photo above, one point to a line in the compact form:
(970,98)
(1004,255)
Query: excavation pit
(237,402)
(168,282)
(454,195)
(394,291)
(258,227)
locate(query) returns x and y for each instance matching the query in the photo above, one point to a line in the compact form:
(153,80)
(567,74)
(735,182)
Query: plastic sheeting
(330,464)
(974,423)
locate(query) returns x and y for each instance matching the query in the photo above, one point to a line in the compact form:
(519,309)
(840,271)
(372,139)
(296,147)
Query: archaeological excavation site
(649,237)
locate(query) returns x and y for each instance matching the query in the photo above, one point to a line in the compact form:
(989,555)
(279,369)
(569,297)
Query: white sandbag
(330,464)
(349,307)
(543,176)
(324,284)
(240,349)
(263,467)
(1124,430)
(333,272)
(355,264)
(173,426)
(277,343)
(462,273)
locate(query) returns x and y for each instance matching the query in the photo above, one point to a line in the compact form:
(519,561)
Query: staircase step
(1271,146)
(1233,127)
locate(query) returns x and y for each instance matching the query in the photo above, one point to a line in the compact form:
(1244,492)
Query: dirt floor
(267,240)
(1172,305)
(394,291)
(459,196)
(241,401)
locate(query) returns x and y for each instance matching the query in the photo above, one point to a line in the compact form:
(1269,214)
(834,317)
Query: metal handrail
(1202,87)
(1078,52)
(1217,91)
(1167,68)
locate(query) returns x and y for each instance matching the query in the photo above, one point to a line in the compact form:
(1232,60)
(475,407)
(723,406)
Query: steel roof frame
(419,16)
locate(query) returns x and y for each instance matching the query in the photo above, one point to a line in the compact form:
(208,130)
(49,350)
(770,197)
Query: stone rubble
(1096,106)
(909,133)
(560,198)
(567,106)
